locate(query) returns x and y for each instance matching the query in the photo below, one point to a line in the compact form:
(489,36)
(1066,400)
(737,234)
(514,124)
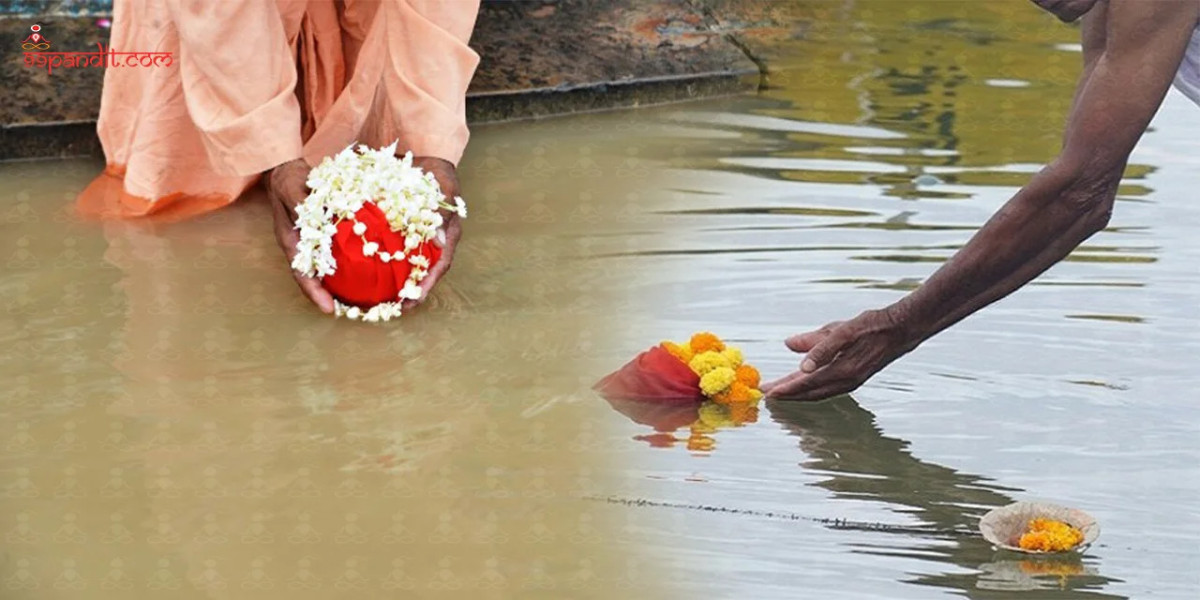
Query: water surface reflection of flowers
(692,425)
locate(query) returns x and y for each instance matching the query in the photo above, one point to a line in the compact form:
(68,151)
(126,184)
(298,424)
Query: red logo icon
(36,41)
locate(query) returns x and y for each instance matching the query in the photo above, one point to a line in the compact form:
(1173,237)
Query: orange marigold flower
(1048,535)
(683,353)
(740,393)
(749,376)
(705,342)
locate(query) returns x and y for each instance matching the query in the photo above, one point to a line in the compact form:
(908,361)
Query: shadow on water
(843,441)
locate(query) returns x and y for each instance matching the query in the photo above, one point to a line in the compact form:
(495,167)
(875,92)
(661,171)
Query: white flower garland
(409,198)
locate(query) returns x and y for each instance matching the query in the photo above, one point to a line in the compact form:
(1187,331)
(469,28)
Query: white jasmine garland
(408,197)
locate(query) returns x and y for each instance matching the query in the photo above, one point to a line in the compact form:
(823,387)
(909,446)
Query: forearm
(1128,69)
(1039,227)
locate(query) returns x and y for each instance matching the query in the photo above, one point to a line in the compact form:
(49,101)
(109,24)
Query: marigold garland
(1048,535)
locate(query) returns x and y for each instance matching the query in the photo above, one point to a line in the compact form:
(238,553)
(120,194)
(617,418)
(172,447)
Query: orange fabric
(255,84)
(653,376)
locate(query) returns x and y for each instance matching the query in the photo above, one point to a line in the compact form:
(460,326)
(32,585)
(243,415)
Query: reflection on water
(701,420)
(842,442)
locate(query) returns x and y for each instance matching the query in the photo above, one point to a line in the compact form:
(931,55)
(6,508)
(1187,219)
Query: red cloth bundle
(365,281)
(655,375)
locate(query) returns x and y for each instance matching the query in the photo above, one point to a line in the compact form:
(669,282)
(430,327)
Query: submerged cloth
(259,83)
(653,376)
(1187,79)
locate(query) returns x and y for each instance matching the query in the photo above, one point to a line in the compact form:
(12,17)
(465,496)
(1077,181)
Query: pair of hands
(286,189)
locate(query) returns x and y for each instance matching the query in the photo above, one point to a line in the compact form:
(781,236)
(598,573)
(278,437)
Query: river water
(177,421)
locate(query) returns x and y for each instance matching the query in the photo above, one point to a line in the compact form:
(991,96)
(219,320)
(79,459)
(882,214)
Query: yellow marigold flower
(716,381)
(1047,535)
(733,355)
(705,341)
(748,375)
(705,362)
(683,353)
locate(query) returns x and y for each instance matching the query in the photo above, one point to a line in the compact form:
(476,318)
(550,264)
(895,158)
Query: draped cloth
(257,83)
(1187,79)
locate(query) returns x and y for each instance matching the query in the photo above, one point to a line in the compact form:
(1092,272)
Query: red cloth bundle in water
(654,375)
(365,281)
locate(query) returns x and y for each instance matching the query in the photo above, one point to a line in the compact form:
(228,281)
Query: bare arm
(1068,201)
(1072,198)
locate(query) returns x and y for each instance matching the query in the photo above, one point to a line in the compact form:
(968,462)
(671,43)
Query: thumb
(822,353)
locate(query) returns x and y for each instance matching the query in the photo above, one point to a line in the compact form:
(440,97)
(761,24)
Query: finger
(805,341)
(823,353)
(803,387)
(315,291)
(768,389)
(823,392)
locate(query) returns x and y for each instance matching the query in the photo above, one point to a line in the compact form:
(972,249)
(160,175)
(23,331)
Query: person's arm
(1063,205)
(429,70)
(244,108)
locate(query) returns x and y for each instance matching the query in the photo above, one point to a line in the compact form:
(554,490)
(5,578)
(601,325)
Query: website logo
(36,55)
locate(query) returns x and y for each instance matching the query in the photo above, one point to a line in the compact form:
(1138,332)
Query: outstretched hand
(839,357)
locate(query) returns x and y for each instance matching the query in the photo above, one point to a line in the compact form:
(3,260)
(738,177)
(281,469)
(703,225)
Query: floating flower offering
(1038,527)
(370,230)
(1048,535)
(703,368)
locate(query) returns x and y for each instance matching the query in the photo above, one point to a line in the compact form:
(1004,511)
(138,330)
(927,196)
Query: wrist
(906,322)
